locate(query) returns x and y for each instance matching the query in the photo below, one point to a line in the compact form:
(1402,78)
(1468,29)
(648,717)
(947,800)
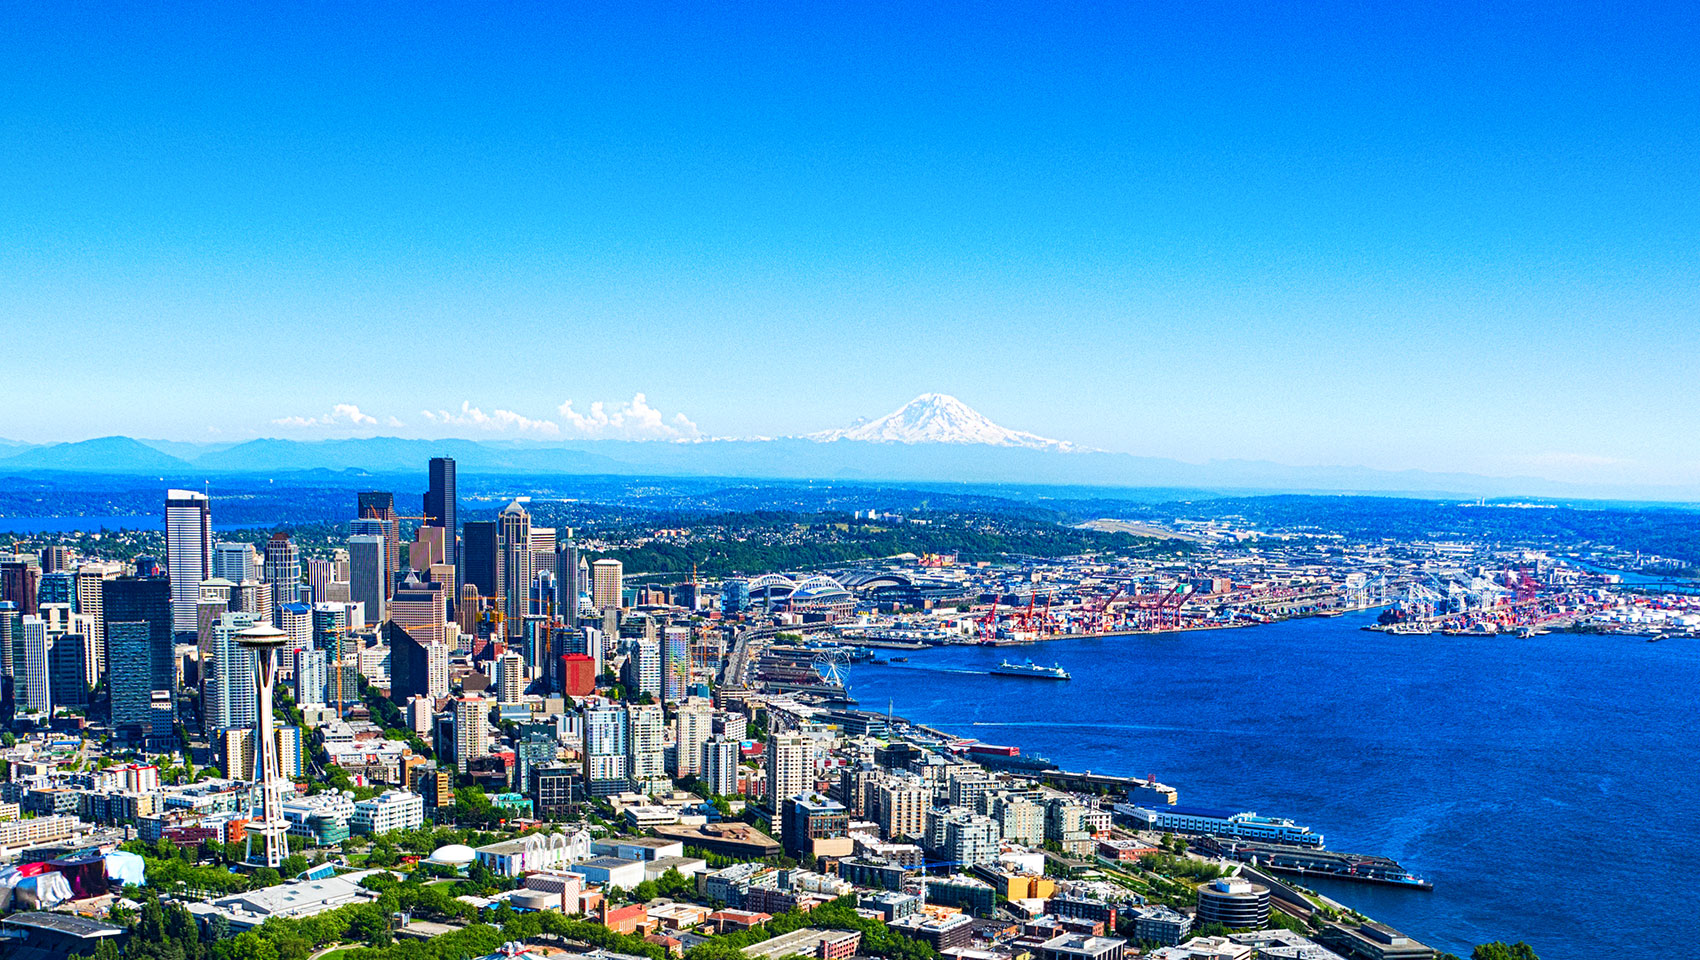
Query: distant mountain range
(933,439)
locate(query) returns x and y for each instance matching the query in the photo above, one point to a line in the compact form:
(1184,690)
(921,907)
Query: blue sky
(1457,239)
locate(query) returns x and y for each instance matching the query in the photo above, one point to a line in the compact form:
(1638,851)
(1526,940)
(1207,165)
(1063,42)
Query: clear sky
(1452,236)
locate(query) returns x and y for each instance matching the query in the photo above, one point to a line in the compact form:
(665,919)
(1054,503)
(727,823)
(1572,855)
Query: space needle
(264,641)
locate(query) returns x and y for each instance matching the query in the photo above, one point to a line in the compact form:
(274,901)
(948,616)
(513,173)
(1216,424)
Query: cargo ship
(1028,668)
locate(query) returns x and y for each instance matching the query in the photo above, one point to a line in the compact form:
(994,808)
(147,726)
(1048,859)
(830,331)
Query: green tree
(1498,950)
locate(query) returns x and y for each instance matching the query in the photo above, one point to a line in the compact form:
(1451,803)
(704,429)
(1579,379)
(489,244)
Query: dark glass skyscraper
(479,540)
(410,665)
(440,504)
(138,650)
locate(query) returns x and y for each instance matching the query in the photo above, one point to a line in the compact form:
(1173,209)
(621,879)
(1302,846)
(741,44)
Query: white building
(691,729)
(37,694)
(510,677)
(472,729)
(390,810)
(720,766)
(188,553)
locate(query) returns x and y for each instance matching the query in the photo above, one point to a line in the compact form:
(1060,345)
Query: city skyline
(1443,240)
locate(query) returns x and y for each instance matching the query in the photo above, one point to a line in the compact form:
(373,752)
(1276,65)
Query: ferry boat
(1028,668)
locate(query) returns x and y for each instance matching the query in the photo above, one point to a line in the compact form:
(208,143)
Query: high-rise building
(20,582)
(410,664)
(68,670)
(320,573)
(235,562)
(515,566)
(422,606)
(368,574)
(472,730)
(645,748)
(380,505)
(720,766)
(643,668)
(440,504)
(903,803)
(55,557)
(675,663)
(140,657)
(188,553)
(568,585)
(309,679)
(693,725)
(607,581)
(33,688)
(480,555)
(790,770)
(283,569)
(510,677)
(228,697)
(606,734)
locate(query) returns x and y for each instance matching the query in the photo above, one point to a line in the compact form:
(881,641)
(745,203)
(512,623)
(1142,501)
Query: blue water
(93,524)
(1547,786)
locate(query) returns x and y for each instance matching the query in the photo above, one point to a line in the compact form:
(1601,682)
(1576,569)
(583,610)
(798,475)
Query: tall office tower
(595,648)
(646,725)
(235,562)
(606,733)
(283,569)
(467,611)
(32,687)
(515,566)
(55,587)
(188,552)
(380,505)
(260,645)
(140,663)
(426,550)
(309,679)
(543,593)
(55,557)
(472,730)
(368,574)
(719,759)
(790,771)
(480,555)
(692,727)
(320,573)
(228,697)
(20,582)
(568,584)
(675,663)
(410,663)
(607,581)
(90,578)
(68,670)
(296,620)
(422,607)
(440,503)
(510,677)
(11,636)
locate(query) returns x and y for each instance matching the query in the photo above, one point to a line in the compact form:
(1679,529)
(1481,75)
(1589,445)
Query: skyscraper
(568,586)
(20,582)
(282,570)
(472,730)
(479,555)
(410,664)
(380,505)
(139,656)
(605,737)
(440,503)
(188,553)
(790,768)
(516,566)
(68,670)
(675,663)
(33,687)
(510,677)
(720,766)
(235,562)
(228,696)
(692,727)
(368,574)
(607,581)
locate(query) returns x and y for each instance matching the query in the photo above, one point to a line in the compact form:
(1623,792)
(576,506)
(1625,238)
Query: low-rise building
(390,810)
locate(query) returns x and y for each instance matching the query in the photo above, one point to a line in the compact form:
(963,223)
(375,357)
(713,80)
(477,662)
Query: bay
(1546,785)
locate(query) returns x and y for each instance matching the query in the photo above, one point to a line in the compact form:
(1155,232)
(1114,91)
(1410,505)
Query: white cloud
(496,421)
(341,415)
(636,420)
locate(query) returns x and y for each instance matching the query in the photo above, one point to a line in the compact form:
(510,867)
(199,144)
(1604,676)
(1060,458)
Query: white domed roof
(453,855)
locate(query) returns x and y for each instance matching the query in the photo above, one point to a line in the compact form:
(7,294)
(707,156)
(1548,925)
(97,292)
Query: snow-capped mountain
(940,418)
